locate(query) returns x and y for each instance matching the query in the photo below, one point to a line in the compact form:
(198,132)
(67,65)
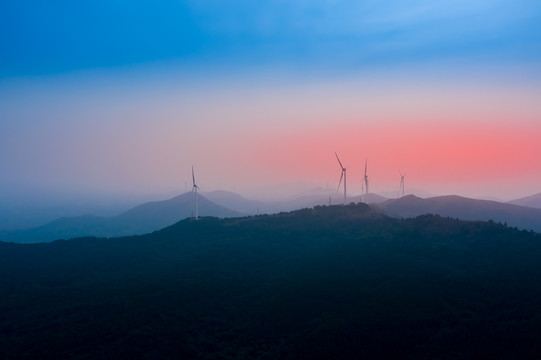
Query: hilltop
(306,199)
(523,217)
(330,282)
(141,219)
(531,201)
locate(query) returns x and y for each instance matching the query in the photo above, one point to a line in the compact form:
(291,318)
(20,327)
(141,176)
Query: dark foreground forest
(329,283)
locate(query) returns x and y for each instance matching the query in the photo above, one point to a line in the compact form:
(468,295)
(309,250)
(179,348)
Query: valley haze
(153,216)
(113,112)
(117,101)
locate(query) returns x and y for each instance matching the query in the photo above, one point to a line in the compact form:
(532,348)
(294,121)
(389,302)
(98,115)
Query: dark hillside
(330,282)
(465,209)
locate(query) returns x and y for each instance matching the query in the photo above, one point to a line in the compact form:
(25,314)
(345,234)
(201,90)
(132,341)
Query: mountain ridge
(533,201)
(328,282)
(154,215)
(465,209)
(141,219)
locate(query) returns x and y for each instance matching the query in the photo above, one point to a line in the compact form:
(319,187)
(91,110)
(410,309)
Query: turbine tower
(194,189)
(401,184)
(342,175)
(365,182)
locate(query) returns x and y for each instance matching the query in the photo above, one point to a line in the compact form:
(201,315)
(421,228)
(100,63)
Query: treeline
(329,282)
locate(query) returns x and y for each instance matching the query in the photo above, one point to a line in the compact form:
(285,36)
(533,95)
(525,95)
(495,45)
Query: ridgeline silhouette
(343,282)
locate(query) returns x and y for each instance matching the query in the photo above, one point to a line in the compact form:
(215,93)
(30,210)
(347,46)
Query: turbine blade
(193,177)
(340,182)
(365,165)
(339,161)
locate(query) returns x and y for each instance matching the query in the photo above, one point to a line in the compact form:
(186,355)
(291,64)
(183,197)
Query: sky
(121,98)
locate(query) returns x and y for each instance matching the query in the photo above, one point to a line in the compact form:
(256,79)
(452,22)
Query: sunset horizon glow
(259,99)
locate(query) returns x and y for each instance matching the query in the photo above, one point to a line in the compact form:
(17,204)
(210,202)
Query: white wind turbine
(194,189)
(362,190)
(342,175)
(365,182)
(401,184)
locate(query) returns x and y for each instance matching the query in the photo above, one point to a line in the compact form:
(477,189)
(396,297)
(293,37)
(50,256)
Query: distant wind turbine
(401,184)
(194,189)
(342,175)
(366,181)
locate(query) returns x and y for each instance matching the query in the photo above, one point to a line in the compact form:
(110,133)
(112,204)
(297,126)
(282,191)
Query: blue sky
(125,96)
(44,37)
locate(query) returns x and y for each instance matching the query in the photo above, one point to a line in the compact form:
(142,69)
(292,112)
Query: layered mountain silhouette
(530,201)
(141,219)
(156,215)
(239,203)
(311,198)
(465,209)
(332,282)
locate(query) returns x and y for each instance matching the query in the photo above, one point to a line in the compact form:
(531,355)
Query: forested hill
(141,219)
(342,282)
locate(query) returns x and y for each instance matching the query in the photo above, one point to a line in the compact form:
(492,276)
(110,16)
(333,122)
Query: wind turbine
(342,175)
(365,181)
(194,189)
(401,184)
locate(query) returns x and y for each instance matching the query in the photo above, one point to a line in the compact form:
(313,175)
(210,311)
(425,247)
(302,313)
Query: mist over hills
(343,282)
(238,203)
(465,209)
(530,201)
(155,215)
(144,218)
(26,213)
(152,216)
(307,199)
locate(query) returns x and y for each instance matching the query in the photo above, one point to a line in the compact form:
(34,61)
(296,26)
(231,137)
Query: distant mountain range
(454,206)
(152,216)
(238,203)
(311,198)
(141,219)
(530,201)
(465,209)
